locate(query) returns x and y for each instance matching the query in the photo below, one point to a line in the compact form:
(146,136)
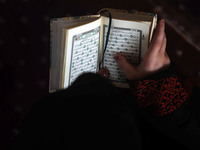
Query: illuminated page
(127,38)
(85,53)
(82,51)
(57,42)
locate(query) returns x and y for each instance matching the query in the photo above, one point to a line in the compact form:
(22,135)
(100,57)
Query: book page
(85,53)
(56,46)
(126,42)
(82,51)
(129,39)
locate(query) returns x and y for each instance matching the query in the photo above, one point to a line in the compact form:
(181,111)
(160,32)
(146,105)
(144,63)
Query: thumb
(128,70)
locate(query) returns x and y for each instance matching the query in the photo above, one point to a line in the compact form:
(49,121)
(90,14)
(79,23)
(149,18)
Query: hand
(154,60)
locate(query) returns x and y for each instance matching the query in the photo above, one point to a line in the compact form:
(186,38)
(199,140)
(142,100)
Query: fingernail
(116,58)
(163,21)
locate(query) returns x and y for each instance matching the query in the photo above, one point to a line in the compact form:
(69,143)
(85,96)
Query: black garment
(93,114)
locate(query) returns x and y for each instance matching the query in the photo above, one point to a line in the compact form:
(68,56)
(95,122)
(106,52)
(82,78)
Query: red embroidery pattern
(161,97)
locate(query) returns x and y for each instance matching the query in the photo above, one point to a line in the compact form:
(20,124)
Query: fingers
(128,70)
(163,46)
(163,52)
(157,41)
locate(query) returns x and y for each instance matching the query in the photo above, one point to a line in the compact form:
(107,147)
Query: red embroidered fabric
(161,97)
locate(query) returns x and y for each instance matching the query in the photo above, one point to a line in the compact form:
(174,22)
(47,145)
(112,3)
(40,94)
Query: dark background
(25,50)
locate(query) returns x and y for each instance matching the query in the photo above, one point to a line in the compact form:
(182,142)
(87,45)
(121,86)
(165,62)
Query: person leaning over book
(158,113)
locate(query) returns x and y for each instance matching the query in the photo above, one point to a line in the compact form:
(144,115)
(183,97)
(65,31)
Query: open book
(77,45)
